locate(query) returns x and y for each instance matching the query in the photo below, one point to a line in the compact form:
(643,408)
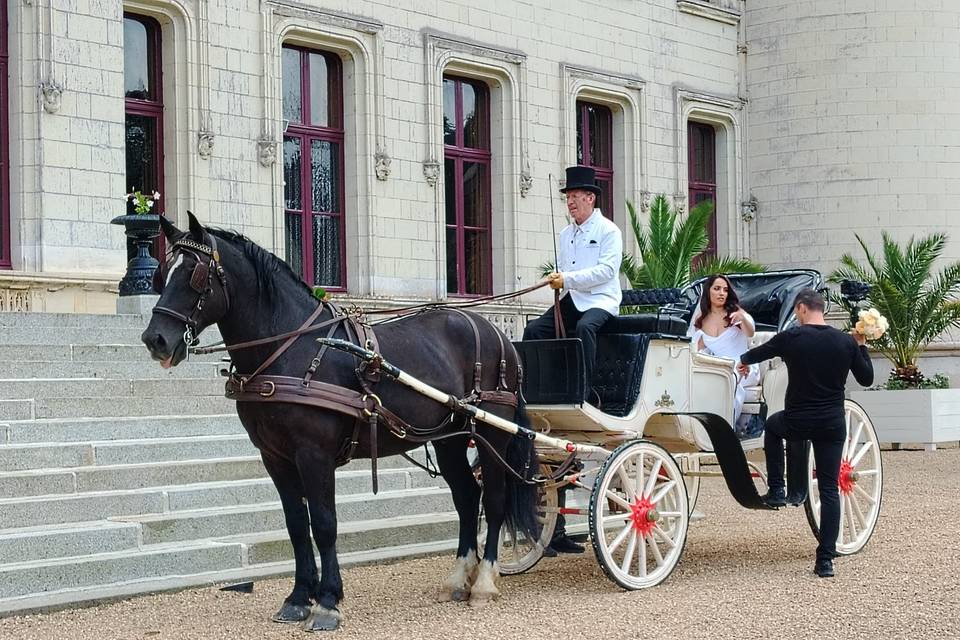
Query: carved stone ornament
(205,144)
(50,93)
(680,202)
(526,182)
(645,199)
(431,171)
(382,164)
(748,208)
(266,151)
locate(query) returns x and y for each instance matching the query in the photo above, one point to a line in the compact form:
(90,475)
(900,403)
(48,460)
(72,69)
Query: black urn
(141,228)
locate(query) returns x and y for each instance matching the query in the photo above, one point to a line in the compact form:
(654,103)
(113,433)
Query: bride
(722,328)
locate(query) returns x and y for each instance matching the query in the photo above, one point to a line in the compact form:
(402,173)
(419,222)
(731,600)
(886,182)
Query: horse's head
(193,292)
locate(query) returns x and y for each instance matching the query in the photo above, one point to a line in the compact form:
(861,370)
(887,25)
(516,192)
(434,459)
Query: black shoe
(796,499)
(775,498)
(563,544)
(823,568)
(549,552)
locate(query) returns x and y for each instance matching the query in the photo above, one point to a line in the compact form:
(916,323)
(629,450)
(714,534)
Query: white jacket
(589,258)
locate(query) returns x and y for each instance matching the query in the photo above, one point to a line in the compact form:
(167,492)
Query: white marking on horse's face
(176,264)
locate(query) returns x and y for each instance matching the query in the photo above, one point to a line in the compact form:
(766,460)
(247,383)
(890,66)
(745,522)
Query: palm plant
(918,304)
(670,248)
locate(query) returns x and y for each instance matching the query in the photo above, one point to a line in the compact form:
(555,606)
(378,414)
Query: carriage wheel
(860,484)
(518,552)
(639,515)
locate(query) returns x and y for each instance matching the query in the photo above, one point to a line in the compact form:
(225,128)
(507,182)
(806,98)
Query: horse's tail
(523,498)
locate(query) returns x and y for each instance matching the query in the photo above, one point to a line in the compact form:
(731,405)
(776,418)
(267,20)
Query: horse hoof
(483,600)
(322,619)
(291,613)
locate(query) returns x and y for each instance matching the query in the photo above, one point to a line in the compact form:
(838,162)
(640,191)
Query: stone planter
(142,229)
(925,416)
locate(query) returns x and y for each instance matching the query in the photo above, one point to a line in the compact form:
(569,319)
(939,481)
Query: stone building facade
(438,131)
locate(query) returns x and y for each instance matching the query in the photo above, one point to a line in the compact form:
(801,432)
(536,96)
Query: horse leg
(296,606)
(317,475)
(452,460)
(484,588)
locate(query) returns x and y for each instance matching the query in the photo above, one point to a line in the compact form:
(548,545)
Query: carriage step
(43,597)
(131,428)
(160,528)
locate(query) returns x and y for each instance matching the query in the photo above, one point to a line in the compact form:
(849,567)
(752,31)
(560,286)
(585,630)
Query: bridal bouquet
(871,325)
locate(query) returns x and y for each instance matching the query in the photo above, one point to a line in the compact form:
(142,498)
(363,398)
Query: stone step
(52,596)
(156,503)
(161,528)
(72,335)
(88,352)
(92,429)
(17,410)
(71,320)
(274,546)
(88,538)
(28,369)
(79,480)
(138,405)
(60,574)
(108,388)
(119,452)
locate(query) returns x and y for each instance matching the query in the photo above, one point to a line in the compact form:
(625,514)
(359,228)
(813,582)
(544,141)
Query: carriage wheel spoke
(846,442)
(619,517)
(628,556)
(642,551)
(625,480)
(857,512)
(855,440)
(663,536)
(610,495)
(863,450)
(620,537)
(670,514)
(850,523)
(866,496)
(656,550)
(652,480)
(639,477)
(662,491)
(867,472)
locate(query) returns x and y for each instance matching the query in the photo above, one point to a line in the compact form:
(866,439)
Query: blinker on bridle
(201,281)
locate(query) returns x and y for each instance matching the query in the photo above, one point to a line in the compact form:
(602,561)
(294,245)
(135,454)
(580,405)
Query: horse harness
(364,406)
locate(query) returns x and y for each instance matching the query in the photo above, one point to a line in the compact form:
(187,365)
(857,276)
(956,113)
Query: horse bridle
(201,281)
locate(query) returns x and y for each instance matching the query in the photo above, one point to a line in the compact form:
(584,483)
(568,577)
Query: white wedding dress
(732,343)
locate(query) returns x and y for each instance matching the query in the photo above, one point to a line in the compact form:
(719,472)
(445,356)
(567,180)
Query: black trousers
(580,324)
(827,452)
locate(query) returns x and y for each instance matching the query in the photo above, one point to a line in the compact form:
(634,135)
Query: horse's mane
(268,266)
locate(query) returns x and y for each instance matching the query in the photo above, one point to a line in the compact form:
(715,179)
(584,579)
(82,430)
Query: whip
(558,328)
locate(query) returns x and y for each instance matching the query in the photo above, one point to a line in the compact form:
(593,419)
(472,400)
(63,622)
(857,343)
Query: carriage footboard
(732,460)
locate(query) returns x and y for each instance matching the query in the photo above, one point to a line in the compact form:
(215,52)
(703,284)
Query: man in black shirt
(818,359)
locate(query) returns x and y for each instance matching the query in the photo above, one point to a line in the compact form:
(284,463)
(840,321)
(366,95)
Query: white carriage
(664,423)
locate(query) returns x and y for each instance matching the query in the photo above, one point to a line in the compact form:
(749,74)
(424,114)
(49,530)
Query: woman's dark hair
(731,304)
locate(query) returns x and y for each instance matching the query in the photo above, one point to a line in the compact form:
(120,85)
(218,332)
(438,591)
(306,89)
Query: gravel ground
(743,575)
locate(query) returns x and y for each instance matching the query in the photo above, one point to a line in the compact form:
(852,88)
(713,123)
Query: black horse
(218,277)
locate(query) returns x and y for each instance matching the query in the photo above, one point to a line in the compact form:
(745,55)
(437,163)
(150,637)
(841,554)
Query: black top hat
(581,178)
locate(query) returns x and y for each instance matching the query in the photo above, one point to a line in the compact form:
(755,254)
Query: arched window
(466,159)
(143,104)
(313,166)
(5,262)
(702,173)
(595,149)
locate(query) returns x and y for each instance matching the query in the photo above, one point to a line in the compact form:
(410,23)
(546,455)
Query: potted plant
(141,227)
(919,305)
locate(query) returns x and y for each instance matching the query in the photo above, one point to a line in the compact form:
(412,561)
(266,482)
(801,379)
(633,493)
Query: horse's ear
(196,229)
(169,229)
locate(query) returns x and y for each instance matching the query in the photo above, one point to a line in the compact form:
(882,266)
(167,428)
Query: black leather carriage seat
(645,323)
(619,369)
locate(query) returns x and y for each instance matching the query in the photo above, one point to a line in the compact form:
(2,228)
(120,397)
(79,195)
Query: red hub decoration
(639,511)
(845,480)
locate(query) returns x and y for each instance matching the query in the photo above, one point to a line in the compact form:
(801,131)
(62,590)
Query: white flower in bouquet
(871,325)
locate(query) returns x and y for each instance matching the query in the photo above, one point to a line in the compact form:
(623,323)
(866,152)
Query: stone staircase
(103,493)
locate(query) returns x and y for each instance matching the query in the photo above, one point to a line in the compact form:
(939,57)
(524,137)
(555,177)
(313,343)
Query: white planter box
(925,416)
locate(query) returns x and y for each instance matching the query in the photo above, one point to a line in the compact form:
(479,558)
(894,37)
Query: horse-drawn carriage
(663,420)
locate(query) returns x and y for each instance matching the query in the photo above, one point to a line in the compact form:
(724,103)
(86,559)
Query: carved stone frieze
(645,199)
(266,151)
(431,171)
(526,182)
(205,144)
(51,93)
(748,208)
(382,162)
